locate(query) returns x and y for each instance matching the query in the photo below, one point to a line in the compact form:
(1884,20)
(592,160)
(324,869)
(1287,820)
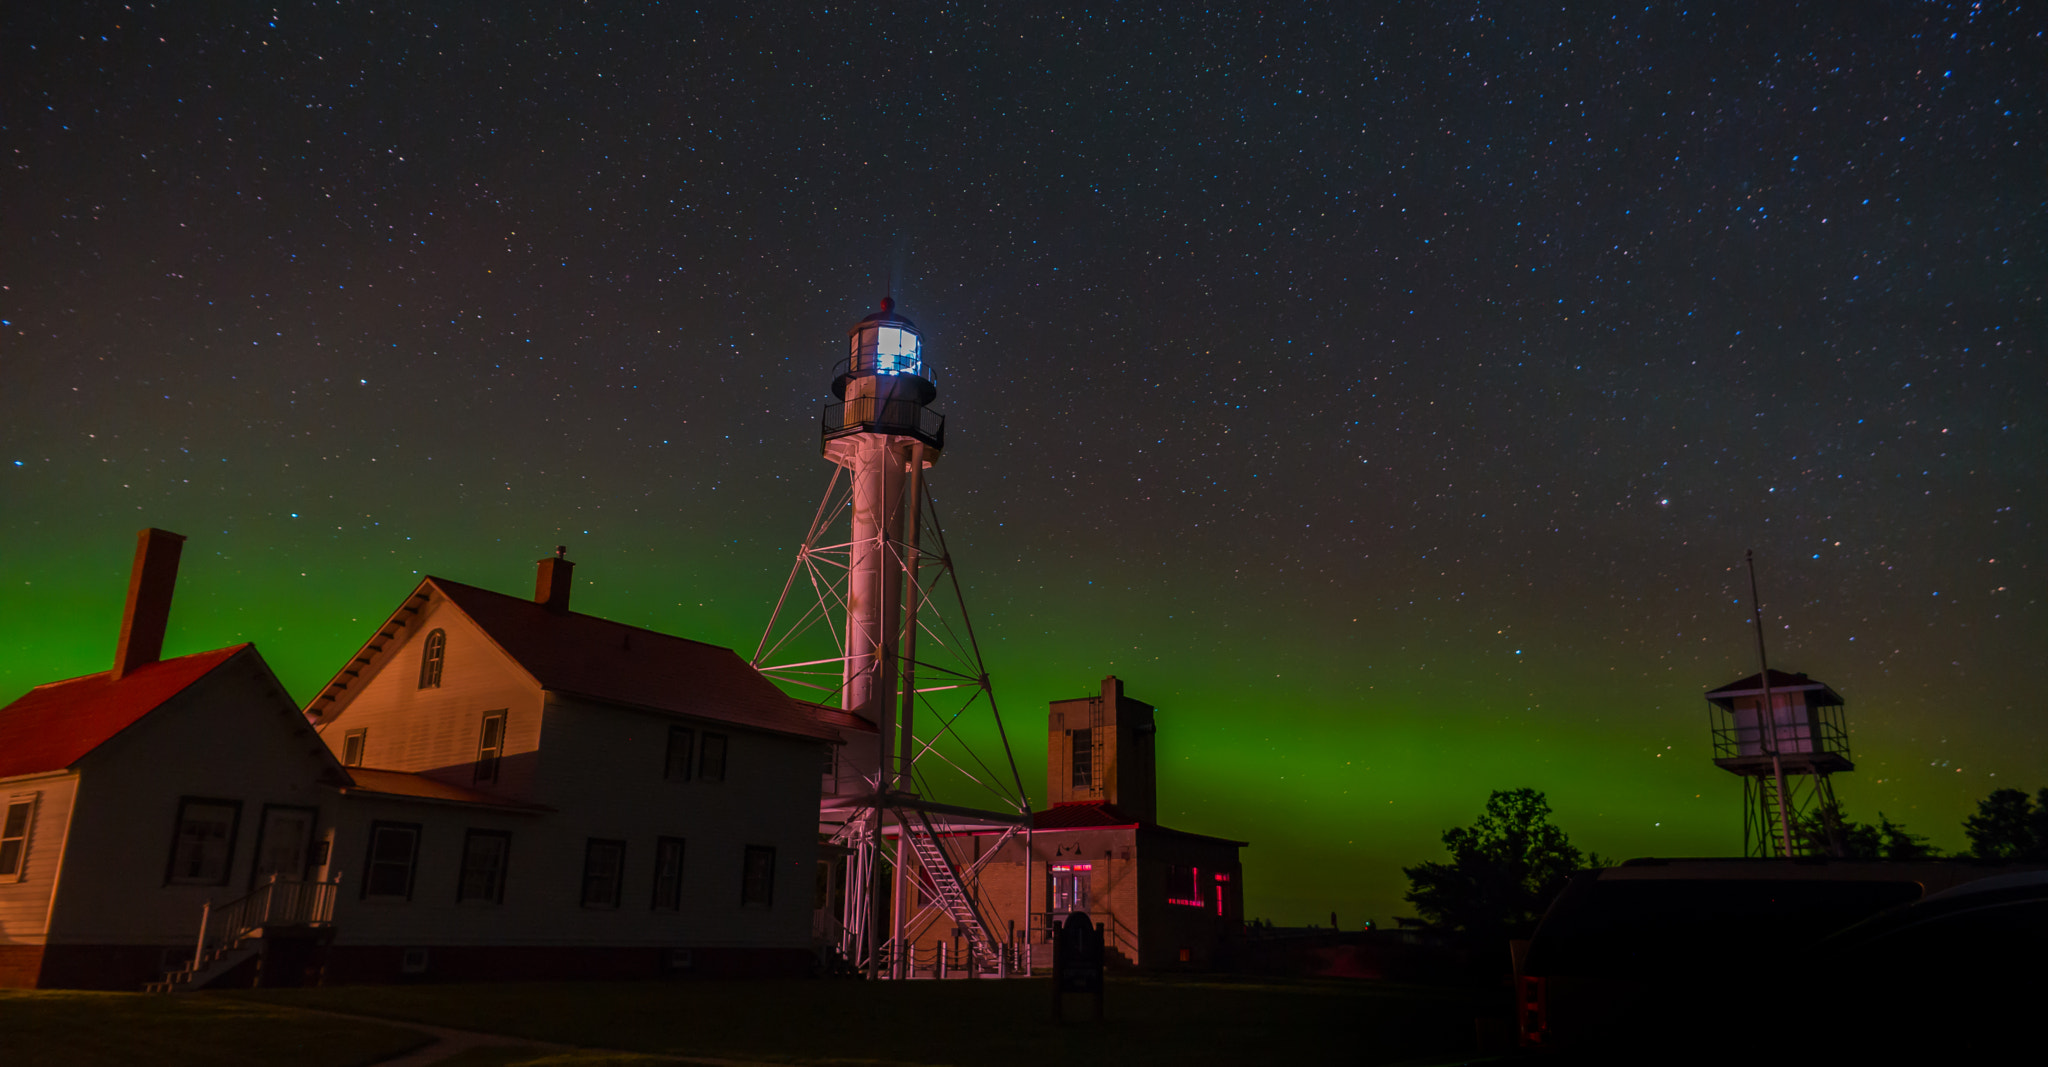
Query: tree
(1861,841)
(2009,827)
(1504,871)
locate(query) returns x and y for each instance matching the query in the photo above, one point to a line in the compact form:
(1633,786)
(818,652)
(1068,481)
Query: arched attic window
(431,656)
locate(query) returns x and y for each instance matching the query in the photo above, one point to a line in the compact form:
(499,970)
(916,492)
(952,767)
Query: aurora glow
(1389,402)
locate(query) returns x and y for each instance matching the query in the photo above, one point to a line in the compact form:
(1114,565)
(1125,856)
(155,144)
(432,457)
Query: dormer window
(430,659)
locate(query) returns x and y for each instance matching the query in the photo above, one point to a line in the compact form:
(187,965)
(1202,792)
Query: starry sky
(1388,393)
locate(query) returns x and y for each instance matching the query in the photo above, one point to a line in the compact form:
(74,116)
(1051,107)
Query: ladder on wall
(1099,749)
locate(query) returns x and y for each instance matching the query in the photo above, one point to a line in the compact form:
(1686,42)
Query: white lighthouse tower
(872,622)
(884,434)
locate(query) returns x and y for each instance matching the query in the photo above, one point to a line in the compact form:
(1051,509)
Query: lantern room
(883,384)
(885,343)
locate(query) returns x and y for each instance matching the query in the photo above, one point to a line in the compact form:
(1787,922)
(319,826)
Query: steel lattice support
(872,622)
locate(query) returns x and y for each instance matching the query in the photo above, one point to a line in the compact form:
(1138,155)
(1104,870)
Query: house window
(1070,887)
(712,767)
(489,746)
(352,745)
(484,853)
(1084,759)
(431,655)
(14,826)
(204,843)
(757,877)
(1184,885)
(604,867)
(682,744)
(668,873)
(394,852)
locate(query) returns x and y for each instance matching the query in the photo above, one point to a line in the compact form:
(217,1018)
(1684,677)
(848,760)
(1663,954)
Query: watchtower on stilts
(873,623)
(1784,734)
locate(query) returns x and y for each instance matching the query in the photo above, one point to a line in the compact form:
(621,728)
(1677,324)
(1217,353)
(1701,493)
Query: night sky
(1389,397)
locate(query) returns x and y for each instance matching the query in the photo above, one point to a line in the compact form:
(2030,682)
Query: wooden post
(199,953)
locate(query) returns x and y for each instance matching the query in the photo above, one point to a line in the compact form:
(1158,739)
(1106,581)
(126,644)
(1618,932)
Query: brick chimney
(149,599)
(551,584)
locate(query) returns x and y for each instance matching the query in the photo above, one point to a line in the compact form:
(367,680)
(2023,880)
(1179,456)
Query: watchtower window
(430,659)
(1084,759)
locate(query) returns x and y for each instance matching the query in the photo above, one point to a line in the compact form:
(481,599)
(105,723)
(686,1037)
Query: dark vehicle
(1974,957)
(1698,958)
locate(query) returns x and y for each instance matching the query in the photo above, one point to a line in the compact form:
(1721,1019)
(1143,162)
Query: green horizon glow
(1338,776)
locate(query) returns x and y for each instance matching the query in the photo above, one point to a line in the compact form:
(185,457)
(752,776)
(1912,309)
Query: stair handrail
(276,902)
(977,925)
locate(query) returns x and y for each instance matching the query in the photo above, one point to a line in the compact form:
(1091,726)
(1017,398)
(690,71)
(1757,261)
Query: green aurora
(1339,749)
(1387,393)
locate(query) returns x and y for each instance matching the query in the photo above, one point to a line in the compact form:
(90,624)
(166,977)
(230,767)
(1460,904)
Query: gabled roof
(410,786)
(582,655)
(1781,682)
(54,726)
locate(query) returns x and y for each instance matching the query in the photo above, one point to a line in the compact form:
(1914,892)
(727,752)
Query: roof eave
(475,805)
(829,734)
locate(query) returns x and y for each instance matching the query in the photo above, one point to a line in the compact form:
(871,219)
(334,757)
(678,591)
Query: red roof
(619,664)
(1078,815)
(54,726)
(420,787)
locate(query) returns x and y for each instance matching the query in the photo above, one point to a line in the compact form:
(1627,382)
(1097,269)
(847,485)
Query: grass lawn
(46,1028)
(1180,1021)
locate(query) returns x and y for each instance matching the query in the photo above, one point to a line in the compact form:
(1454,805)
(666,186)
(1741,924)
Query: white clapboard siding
(25,900)
(435,731)
(234,735)
(601,773)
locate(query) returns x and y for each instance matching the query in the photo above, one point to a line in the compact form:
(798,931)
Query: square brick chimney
(148,614)
(551,584)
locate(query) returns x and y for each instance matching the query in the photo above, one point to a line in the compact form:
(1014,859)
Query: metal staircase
(231,934)
(950,894)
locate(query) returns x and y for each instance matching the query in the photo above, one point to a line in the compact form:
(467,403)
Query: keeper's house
(135,796)
(491,788)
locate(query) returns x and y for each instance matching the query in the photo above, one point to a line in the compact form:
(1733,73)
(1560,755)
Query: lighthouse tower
(872,622)
(884,433)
